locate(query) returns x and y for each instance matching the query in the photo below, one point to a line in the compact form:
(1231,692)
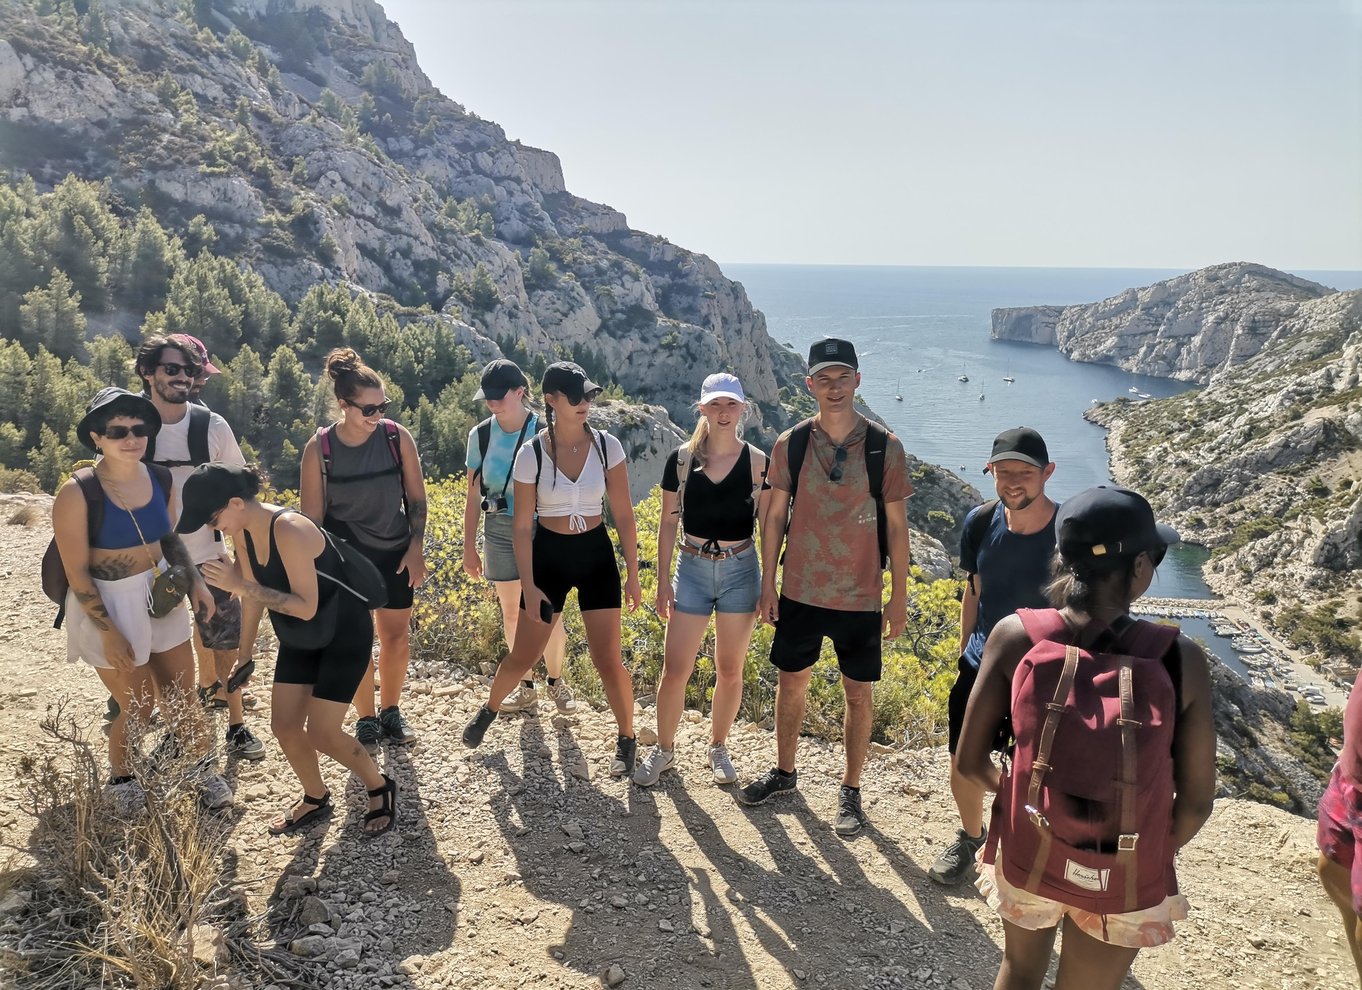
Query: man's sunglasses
(835,474)
(121,432)
(173,370)
(366,411)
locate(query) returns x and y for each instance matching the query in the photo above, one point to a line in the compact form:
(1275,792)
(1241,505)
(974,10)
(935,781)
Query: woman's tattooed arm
(176,553)
(94,608)
(416,519)
(275,601)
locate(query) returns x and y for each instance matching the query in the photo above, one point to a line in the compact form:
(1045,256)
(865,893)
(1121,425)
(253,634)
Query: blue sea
(917,330)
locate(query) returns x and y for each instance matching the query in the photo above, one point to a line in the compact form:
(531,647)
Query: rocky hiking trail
(524,864)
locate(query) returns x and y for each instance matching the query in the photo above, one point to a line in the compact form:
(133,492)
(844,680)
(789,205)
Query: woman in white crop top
(562,476)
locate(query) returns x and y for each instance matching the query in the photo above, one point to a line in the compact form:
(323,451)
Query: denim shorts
(732,584)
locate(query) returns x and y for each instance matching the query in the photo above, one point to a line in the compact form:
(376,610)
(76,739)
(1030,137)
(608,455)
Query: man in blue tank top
(1006,550)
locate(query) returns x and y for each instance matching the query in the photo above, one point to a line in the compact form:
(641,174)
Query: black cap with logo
(832,351)
(1104,523)
(498,378)
(569,379)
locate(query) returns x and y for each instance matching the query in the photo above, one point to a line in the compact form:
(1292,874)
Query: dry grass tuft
(28,515)
(116,900)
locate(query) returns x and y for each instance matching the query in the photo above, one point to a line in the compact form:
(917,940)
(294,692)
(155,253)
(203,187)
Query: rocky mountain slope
(1190,327)
(524,864)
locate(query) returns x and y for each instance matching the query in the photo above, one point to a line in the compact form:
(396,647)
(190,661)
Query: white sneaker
(722,765)
(523,698)
(214,792)
(128,798)
(561,695)
(657,762)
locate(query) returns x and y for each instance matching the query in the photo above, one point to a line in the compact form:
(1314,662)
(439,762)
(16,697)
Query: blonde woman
(713,488)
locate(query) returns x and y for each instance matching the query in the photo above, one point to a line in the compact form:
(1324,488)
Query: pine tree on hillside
(51,317)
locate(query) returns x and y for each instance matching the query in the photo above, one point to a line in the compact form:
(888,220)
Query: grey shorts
(498,553)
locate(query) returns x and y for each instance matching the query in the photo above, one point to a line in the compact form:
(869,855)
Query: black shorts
(959,700)
(400,591)
(856,637)
(334,670)
(585,561)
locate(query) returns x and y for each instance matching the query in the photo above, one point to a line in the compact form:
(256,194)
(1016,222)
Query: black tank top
(274,575)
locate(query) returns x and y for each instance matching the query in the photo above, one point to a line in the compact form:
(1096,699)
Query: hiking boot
(214,792)
(772,782)
(958,859)
(561,695)
(721,765)
(654,765)
(850,817)
(242,744)
(477,728)
(395,727)
(369,732)
(626,751)
(523,699)
(126,795)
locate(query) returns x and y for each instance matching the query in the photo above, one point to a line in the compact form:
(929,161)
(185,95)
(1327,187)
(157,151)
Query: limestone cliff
(1191,327)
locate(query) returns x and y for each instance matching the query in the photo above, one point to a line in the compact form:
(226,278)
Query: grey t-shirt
(364,492)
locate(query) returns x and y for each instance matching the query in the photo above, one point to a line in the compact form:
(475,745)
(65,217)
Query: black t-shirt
(721,511)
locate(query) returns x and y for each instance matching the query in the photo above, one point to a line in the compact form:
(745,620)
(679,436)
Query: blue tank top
(117,531)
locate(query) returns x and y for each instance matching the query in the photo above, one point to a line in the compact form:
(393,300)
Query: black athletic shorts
(585,561)
(959,700)
(855,637)
(400,591)
(334,670)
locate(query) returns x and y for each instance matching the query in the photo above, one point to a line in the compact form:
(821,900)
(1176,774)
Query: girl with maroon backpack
(1113,766)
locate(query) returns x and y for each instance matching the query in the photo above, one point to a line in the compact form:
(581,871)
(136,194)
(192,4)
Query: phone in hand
(545,610)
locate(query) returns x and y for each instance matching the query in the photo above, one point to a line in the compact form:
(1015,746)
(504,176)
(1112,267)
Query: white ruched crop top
(559,495)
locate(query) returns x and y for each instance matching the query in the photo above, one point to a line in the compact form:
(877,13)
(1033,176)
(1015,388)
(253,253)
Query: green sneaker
(395,727)
(369,732)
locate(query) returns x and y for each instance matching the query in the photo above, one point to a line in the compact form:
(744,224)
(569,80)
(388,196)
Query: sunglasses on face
(835,474)
(121,432)
(373,410)
(588,397)
(174,370)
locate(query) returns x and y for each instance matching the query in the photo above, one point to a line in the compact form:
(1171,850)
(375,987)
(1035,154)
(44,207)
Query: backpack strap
(599,437)
(389,428)
(324,447)
(760,465)
(1043,624)
(796,447)
(200,419)
(1128,783)
(978,529)
(1041,765)
(876,442)
(93,492)
(1142,638)
(538,448)
(683,463)
(163,478)
(484,435)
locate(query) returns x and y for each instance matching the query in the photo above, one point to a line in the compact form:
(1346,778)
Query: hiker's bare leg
(1338,885)
(1026,957)
(1087,963)
(791,691)
(856,727)
(393,626)
(135,694)
(732,636)
(684,634)
(603,638)
(969,801)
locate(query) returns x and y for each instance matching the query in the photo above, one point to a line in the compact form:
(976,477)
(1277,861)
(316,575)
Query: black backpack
(200,418)
(876,441)
(978,529)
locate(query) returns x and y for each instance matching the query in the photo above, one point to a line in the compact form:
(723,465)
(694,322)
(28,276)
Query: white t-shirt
(558,495)
(172,444)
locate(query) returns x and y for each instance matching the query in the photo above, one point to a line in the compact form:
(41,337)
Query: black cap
(569,379)
(1107,522)
(830,351)
(1021,444)
(498,378)
(209,488)
(112,401)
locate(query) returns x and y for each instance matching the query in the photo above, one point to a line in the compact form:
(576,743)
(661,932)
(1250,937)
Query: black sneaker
(958,859)
(772,782)
(369,732)
(850,817)
(626,751)
(477,728)
(242,743)
(395,727)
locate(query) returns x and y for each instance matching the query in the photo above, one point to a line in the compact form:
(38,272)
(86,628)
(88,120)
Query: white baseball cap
(722,385)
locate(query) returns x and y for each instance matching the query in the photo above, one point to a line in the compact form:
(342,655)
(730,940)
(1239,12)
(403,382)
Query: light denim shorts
(703,586)
(498,553)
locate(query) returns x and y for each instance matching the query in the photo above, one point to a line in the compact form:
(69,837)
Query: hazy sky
(1122,133)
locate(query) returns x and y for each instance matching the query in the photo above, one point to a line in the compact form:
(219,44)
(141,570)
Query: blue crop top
(116,529)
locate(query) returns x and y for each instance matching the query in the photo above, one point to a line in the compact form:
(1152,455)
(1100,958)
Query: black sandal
(388,792)
(321,810)
(240,676)
(206,694)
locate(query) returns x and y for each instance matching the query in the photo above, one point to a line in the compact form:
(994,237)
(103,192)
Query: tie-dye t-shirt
(832,552)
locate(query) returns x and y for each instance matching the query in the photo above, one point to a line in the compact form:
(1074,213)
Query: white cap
(721,385)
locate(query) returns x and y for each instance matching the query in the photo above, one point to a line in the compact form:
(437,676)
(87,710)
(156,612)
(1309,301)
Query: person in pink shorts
(1340,828)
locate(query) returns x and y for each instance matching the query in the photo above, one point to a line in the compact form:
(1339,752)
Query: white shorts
(126,602)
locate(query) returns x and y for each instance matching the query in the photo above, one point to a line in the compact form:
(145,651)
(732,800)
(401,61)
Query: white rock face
(1190,327)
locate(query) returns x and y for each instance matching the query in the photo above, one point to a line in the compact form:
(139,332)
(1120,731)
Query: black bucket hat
(113,401)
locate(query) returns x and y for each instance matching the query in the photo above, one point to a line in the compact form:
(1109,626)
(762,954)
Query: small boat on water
(898,393)
(1133,390)
(1009,379)
(981,396)
(964,374)
(1248,648)
(1143,395)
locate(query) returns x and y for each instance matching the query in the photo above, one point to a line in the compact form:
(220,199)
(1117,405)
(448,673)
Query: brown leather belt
(723,553)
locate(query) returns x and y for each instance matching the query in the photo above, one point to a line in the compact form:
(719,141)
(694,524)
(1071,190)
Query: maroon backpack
(1085,812)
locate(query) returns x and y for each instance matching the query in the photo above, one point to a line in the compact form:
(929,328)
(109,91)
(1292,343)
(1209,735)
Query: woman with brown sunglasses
(361,479)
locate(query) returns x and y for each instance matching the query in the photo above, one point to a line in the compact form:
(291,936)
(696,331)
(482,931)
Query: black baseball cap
(113,401)
(1107,522)
(208,489)
(1021,444)
(831,351)
(569,379)
(498,378)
